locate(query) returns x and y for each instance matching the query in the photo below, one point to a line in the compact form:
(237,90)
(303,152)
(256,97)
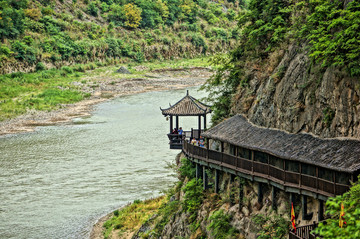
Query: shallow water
(57,181)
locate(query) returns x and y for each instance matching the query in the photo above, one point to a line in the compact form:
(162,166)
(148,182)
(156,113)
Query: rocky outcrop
(299,96)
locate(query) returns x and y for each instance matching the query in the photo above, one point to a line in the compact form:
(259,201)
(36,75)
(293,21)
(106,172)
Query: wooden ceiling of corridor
(187,106)
(336,154)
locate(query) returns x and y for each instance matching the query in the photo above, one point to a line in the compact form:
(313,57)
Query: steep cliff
(298,95)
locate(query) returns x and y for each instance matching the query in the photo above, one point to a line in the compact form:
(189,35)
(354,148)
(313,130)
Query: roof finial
(187,92)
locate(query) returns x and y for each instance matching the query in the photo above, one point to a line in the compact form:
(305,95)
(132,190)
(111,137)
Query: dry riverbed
(103,87)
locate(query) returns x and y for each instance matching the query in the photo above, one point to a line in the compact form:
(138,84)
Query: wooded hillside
(41,34)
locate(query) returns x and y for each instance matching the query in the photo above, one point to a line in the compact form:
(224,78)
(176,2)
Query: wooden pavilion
(187,106)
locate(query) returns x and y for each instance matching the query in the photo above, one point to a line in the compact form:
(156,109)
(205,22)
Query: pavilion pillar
(177,122)
(199,125)
(205,178)
(217,180)
(171,124)
(204,121)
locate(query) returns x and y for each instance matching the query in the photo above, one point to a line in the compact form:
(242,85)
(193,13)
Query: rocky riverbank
(106,86)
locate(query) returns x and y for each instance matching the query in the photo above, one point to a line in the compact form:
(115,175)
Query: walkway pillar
(205,178)
(273,198)
(241,194)
(304,206)
(177,122)
(217,179)
(198,171)
(321,210)
(231,193)
(260,193)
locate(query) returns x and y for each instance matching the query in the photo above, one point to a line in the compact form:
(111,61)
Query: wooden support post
(171,124)
(204,121)
(177,122)
(321,210)
(304,206)
(232,178)
(273,198)
(217,180)
(199,124)
(199,172)
(205,178)
(241,194)
(260,192)
(231,193)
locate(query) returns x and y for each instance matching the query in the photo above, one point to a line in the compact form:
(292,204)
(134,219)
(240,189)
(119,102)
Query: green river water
(57,181)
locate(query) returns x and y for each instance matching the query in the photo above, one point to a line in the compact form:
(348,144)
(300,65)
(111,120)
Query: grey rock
(123,70)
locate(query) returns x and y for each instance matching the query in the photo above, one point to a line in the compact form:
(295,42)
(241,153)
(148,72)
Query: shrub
(40,66)
(132,15)
(193,197)
(219,226)
(92,9)
(187,169)
(33,13)
(67,69)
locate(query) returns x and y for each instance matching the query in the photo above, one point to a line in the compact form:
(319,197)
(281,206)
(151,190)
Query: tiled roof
(187,106)
(337,154)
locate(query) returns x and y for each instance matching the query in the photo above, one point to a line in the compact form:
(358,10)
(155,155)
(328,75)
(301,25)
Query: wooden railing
(267,171)
(303,232)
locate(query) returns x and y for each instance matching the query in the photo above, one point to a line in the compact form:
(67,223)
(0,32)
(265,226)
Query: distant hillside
(51,33)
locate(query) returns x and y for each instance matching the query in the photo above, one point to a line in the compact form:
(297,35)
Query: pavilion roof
(187,106)
(336,154)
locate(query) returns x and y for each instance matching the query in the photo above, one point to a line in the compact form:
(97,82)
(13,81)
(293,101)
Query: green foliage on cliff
(351,229)
(329,29)
(333,31)
(85,31)
(220,226)
(193,197)
(275,227)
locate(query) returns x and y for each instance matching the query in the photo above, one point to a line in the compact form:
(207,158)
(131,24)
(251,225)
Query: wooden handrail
(291,179)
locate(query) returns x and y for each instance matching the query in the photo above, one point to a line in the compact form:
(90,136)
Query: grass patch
(130,218)
(48,89)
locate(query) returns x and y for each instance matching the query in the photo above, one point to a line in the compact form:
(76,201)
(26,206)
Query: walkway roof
(336,154)
(187,106)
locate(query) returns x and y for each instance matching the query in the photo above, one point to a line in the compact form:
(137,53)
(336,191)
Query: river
(57,181)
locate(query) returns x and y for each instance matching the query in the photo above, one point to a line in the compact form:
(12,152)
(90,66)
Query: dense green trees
(33,31)
(351,229)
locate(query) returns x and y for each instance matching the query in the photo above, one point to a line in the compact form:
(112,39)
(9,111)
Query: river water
(57,181)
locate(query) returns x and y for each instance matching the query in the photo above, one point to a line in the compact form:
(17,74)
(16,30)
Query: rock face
(297,96)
